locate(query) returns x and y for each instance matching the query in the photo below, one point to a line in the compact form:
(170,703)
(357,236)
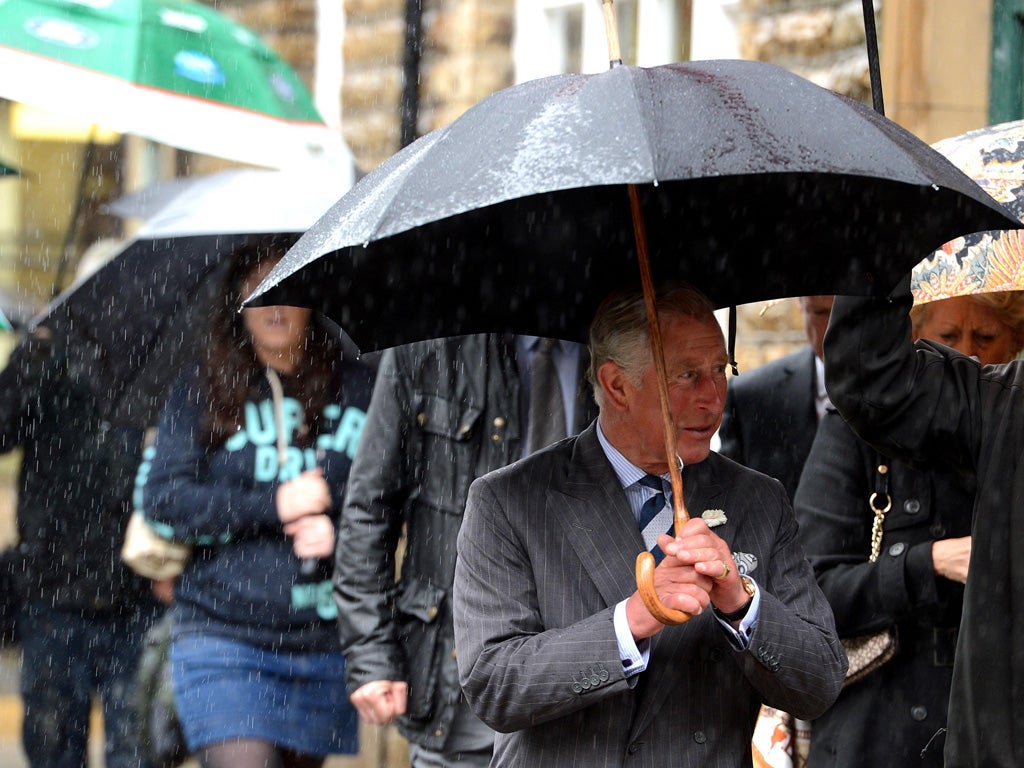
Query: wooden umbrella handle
(645,577)
(645,560)
(611,31)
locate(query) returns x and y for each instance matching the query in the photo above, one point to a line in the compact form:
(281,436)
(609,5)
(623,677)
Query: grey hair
(618,332)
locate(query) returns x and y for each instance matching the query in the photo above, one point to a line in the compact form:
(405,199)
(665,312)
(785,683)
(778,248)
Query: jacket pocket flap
(438,416)
(421,600)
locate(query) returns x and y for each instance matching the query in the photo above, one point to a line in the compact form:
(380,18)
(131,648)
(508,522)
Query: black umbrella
(132,324)
(740,177)
(7,170)
(753,182)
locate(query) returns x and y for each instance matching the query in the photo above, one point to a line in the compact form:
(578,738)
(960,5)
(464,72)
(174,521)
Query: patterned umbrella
(173,71)
(983,262)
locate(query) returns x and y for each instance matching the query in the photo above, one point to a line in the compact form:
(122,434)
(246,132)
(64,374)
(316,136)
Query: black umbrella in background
(134,322)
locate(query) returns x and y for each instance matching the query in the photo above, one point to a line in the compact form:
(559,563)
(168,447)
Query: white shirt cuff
(634,655)
(740,638)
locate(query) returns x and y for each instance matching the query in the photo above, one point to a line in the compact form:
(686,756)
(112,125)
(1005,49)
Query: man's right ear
(614,382)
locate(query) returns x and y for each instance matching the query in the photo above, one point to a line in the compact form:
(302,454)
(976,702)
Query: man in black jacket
(772,413)
(442,414)
(82,612)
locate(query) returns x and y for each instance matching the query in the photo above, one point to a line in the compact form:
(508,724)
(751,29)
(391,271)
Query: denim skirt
(225,689)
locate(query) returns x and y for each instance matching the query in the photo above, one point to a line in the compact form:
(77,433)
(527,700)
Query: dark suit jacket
(769,420)
(547,549)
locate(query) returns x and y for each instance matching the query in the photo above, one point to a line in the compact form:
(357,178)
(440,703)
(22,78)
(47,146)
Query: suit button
(700,737)
(938,530)
(421,419)
(897,549)
(633,749)
(715,654)
(594,680)
(499,422)
(603,674)
(585,682)
(918,713)
(911,506)
(577,688)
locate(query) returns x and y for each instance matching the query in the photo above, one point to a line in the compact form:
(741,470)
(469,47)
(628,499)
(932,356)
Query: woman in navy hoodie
(249,466)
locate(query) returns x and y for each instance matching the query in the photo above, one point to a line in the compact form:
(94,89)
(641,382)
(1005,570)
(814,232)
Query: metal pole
(411,56)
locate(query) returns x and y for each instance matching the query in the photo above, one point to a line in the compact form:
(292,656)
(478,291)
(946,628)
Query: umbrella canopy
(173,71)
(134,320)
(754,184)
(981,262)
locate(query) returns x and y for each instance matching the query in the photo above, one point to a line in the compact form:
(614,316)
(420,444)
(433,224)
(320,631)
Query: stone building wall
(467,54)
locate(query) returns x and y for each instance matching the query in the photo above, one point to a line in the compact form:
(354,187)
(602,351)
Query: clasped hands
(302,505)
(698,571)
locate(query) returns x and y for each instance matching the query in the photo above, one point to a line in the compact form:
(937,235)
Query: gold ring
(725,571)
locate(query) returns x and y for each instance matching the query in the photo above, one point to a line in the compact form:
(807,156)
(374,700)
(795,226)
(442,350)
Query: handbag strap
(880,502)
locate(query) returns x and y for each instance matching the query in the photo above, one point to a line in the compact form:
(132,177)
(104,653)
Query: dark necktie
(547,411)
(656,516)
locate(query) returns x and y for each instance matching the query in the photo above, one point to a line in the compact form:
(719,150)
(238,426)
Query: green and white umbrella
(173,71)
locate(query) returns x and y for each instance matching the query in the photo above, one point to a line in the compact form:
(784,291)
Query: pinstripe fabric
(546,550)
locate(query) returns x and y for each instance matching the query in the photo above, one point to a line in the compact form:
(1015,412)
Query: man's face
(695,361)
(815,311)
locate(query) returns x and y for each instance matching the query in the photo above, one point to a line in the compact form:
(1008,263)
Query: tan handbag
(145,551)
(151,555)
(866,653)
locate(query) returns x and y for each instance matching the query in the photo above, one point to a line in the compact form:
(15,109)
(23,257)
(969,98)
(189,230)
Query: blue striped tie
(656,515)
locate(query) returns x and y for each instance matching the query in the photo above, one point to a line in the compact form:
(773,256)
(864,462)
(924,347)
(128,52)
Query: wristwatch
(739,613)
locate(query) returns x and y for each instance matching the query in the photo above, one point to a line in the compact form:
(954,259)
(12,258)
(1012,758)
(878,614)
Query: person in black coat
(896,715)
(82,613)
(772,413)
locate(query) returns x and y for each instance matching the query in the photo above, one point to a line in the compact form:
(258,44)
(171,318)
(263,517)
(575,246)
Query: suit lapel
(804,392)
(597,520)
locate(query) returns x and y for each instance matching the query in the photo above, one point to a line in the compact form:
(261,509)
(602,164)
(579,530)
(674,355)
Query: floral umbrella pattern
(983,262)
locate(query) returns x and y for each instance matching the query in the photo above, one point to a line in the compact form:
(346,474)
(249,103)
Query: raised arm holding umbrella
(927,404)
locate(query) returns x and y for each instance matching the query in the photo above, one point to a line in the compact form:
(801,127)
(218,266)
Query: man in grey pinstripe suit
(556,650)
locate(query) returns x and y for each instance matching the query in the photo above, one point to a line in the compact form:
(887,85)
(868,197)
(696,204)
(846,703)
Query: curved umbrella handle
(645,566)
(645,586)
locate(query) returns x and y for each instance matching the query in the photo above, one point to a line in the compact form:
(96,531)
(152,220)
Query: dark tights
(253,753)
